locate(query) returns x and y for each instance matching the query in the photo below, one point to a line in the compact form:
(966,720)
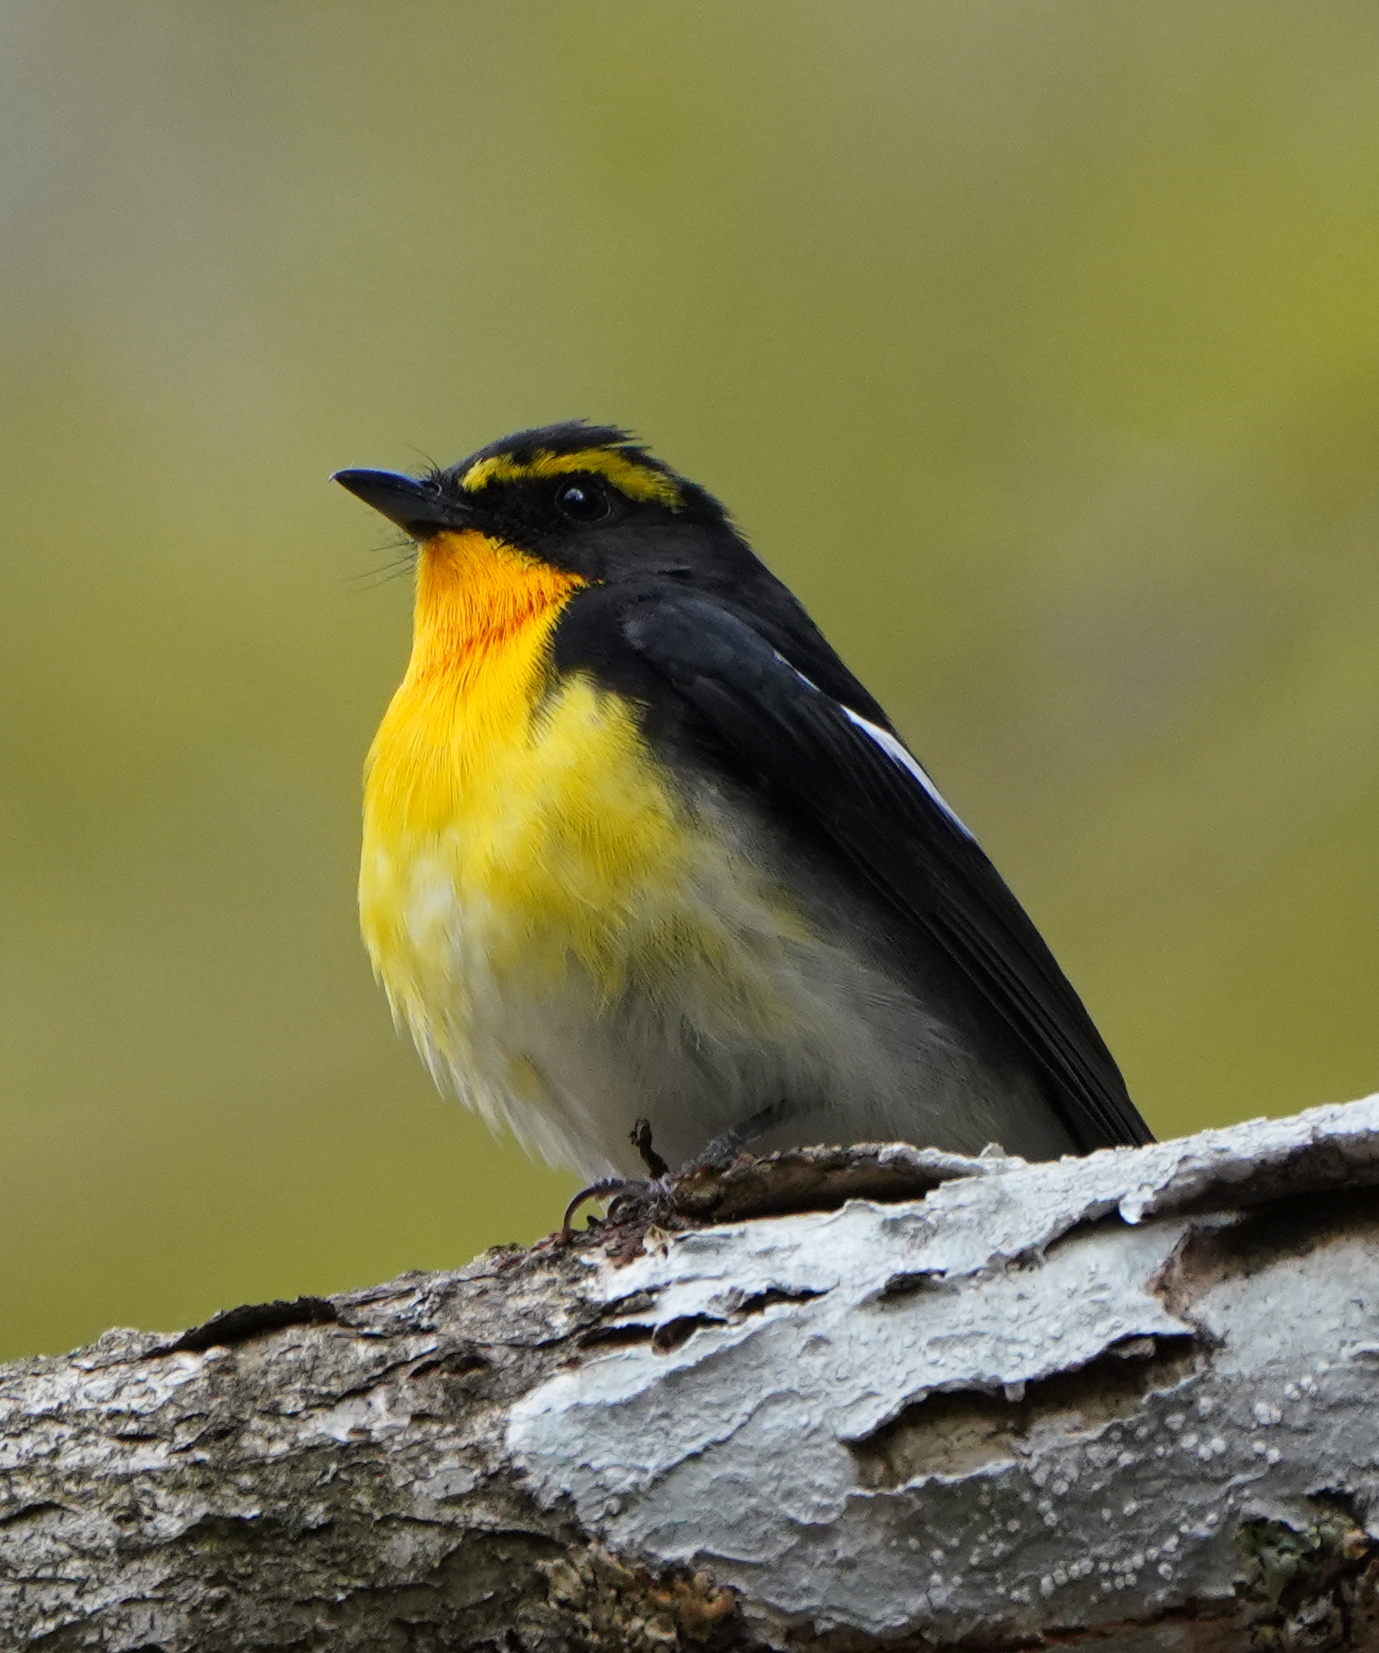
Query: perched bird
(637,844)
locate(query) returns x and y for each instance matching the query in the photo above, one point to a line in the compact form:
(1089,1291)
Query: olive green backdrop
(1036,344)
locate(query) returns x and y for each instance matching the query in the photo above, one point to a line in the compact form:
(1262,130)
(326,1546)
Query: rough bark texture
(1129,1401)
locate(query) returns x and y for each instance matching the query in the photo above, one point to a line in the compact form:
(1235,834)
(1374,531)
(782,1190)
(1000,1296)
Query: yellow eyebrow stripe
(627,474)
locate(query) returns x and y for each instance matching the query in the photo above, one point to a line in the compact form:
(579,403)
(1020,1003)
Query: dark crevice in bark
(233,1326)
(957,1432)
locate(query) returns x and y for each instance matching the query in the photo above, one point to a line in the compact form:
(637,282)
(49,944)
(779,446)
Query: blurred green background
(1036,345)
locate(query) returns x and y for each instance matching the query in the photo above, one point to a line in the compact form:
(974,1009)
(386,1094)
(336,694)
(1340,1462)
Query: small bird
(639,846)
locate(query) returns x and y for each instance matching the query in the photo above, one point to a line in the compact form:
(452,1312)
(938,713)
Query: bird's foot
(632,1201)
(643,1202)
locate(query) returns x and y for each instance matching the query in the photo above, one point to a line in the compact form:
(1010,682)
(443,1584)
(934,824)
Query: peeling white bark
(1131,1399)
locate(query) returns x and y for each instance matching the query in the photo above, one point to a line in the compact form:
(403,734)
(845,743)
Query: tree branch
(1131,1399)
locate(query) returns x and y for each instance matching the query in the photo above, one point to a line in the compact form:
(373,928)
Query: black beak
(418,508)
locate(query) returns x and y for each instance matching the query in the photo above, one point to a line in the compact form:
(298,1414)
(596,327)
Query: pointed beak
(418,508)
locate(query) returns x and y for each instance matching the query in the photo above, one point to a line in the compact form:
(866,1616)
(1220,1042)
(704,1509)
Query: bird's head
(585,499)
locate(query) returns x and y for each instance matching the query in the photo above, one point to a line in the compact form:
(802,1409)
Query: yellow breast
(514,827)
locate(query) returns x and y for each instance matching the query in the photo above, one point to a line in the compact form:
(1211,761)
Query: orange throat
(481,633)
(476,597)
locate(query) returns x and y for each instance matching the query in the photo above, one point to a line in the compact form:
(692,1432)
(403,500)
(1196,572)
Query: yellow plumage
(466,798)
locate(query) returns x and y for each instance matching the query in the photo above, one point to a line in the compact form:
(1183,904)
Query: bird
(639,847)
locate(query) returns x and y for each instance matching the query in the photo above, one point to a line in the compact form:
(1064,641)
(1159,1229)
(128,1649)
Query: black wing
(853,779)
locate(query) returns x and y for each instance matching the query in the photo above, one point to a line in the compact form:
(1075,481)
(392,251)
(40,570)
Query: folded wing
(856,781)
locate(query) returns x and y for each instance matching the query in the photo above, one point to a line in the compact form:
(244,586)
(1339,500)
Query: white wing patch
(907,760)
(889,745)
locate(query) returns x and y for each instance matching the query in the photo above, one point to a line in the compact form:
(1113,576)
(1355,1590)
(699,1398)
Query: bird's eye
(582,501)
